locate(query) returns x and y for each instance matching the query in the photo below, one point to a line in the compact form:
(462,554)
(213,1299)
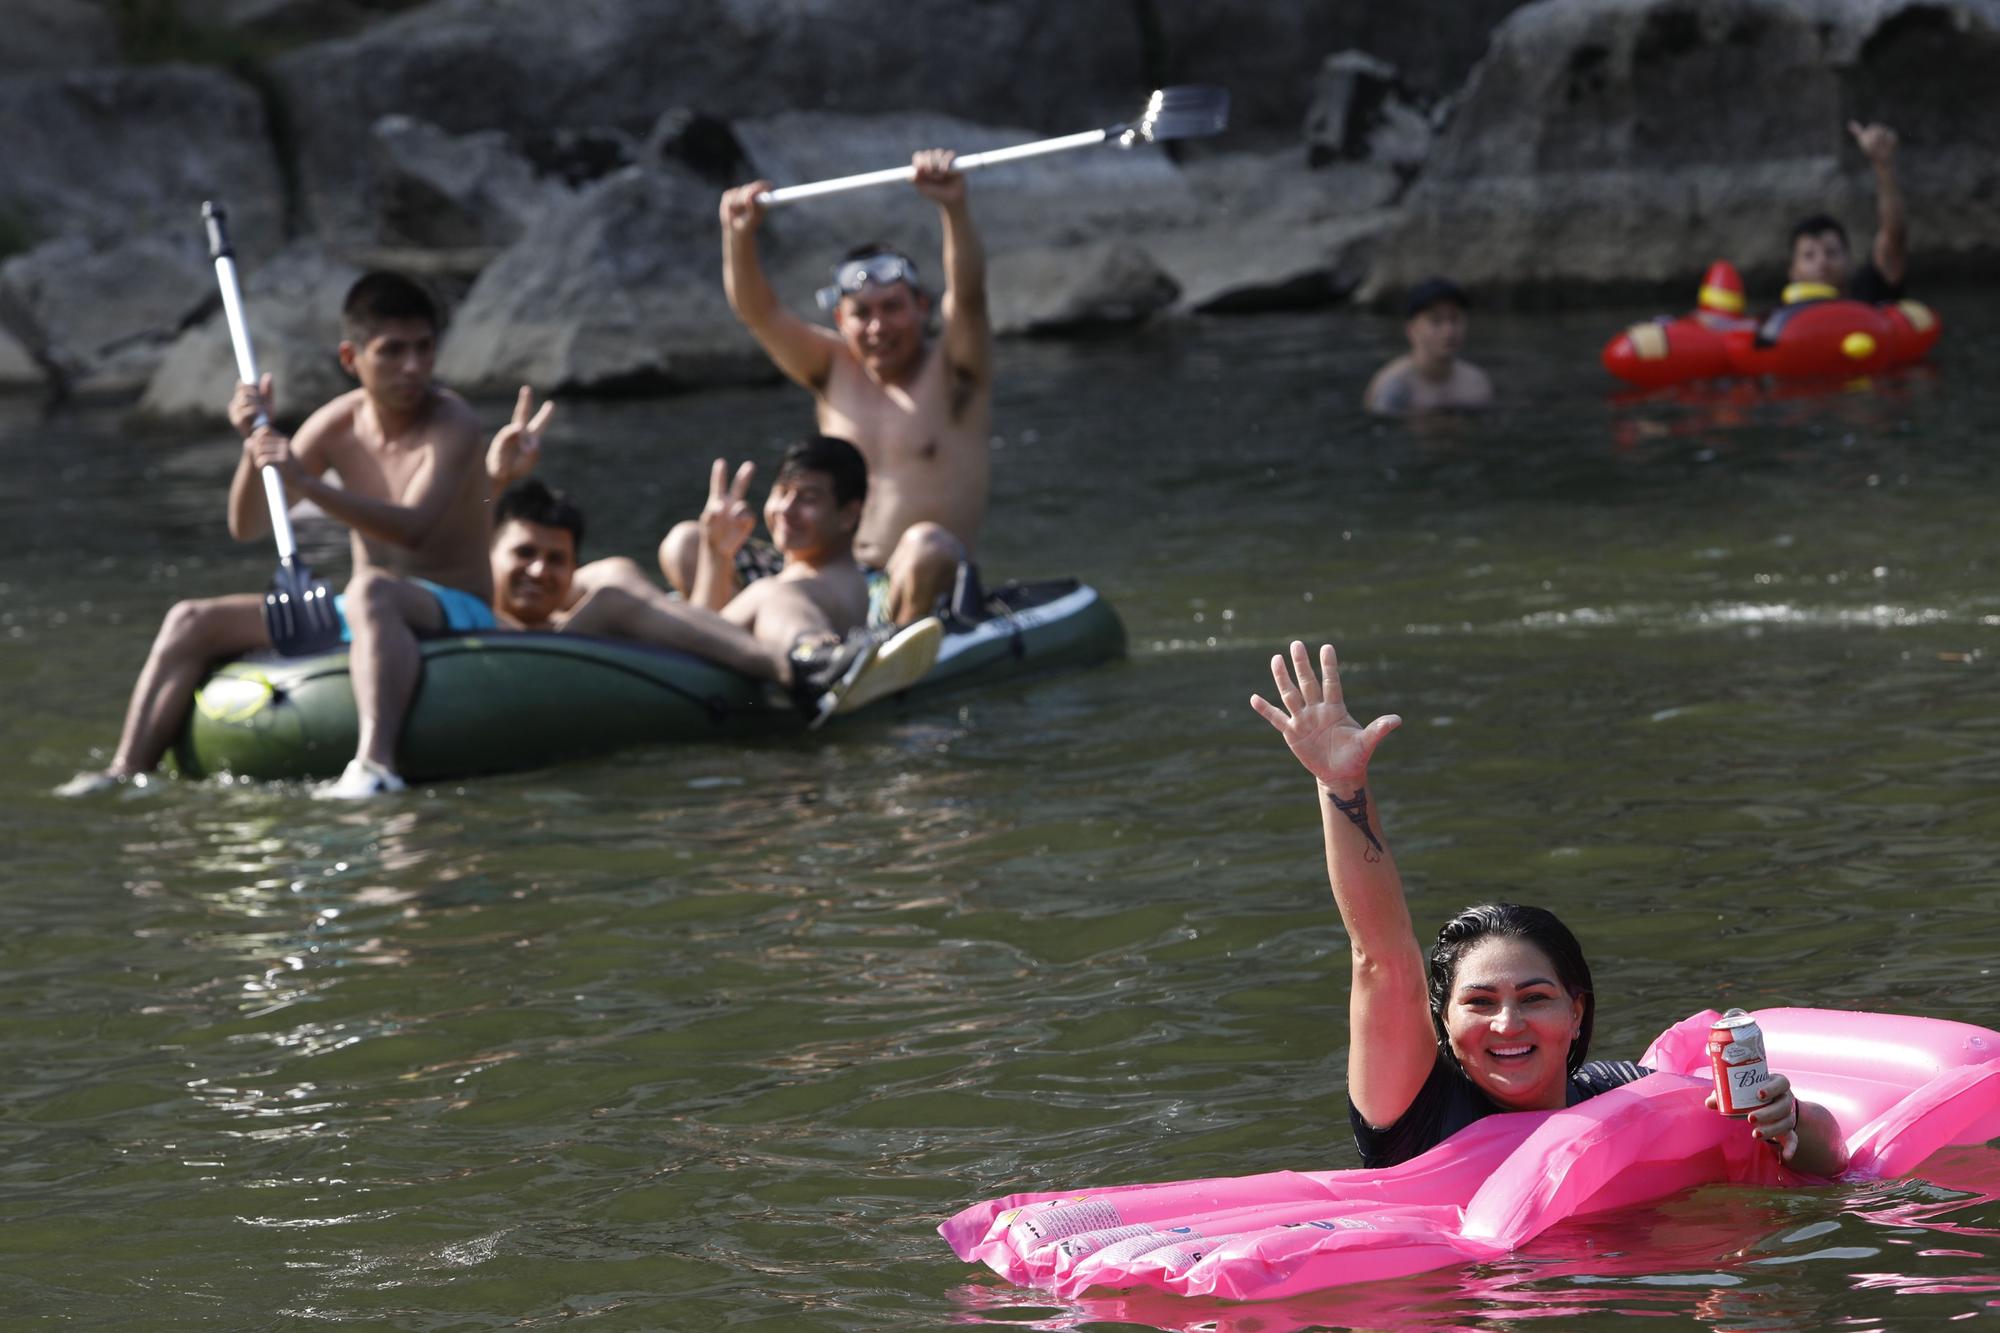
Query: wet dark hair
(1537,926)
(379,296)
(869,249)
(531,501)
(1816,225)
(840,461)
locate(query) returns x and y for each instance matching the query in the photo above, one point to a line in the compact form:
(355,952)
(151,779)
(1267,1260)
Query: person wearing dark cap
(1431,376)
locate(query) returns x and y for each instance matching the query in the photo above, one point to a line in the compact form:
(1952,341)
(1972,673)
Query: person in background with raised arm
(918,408)
(1819,253)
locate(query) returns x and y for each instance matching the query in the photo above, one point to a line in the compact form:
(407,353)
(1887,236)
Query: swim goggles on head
(870,270)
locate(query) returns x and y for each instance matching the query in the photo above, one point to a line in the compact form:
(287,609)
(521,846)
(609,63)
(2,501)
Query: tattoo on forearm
(1356,810)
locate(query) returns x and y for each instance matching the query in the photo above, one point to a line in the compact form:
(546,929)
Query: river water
(715,1036)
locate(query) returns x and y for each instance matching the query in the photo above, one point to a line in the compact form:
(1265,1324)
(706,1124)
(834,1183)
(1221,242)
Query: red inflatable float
(1816,332)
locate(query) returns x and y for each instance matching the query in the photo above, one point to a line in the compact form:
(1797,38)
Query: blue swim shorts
(462,611)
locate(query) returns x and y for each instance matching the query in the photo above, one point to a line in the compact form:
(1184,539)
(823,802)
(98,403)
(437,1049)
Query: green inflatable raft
(505,700)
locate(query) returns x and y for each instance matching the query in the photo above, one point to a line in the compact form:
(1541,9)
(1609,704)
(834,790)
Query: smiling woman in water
(1500,1019)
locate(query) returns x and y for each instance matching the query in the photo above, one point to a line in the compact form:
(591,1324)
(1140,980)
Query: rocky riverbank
(553,170)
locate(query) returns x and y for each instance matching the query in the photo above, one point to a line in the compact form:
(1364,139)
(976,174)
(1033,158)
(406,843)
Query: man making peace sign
(800,627)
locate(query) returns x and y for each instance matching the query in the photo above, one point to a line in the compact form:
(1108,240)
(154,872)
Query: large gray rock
(1271,264)
(620,287)
(1077,289)
(445,191)
(470,65)
(118,152)
(47,35)
(617,288)
(292,307)
(105,197)
(1362,113)
(1055,65)
(18,368)
(1269,55)
(103,315)
(285,20)
(1629,142)
(1269,233)
(101,205)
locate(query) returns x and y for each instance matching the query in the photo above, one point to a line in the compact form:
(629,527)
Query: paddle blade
(298,612)
(1186,112)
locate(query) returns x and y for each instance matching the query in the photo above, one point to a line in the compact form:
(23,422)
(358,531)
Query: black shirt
(1448,1102)
(1868,284)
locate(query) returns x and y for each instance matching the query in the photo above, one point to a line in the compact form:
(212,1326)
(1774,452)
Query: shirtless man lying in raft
(801,628)
(919,409)
(1502,1021)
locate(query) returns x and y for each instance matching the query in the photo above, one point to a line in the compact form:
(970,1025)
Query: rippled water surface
(715,1036)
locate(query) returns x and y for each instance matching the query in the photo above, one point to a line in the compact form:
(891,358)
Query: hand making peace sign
(727,520)
(517,446)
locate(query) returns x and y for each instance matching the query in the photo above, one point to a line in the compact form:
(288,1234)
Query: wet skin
(884,328)
(804,518)
(1821,257)
(1511,1023)
(532,569)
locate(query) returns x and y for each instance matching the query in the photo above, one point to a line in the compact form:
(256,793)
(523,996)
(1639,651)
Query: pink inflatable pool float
(1900,1088)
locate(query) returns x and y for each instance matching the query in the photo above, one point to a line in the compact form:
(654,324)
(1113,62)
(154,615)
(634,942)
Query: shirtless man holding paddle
(919,408)
(413,493)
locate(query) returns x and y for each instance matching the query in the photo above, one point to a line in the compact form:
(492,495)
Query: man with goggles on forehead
(872,266)
(919,407)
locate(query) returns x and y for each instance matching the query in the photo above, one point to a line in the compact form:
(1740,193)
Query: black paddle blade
(298,612)
(1187,112)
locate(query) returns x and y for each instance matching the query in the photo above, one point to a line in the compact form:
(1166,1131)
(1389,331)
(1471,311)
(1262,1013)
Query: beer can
(1736,1056)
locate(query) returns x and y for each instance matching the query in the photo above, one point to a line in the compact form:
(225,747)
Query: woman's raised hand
(1315,722)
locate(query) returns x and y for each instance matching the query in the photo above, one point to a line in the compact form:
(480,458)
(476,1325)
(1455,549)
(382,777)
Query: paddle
(1186,112)
(297,611)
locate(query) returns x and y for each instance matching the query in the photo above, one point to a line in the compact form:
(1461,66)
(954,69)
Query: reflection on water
(718,1034)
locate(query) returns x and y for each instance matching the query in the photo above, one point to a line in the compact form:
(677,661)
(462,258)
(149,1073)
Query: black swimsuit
(1869,285)
(1448,1102)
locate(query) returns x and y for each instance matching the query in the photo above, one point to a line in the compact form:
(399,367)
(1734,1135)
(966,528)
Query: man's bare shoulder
(842,365)
(799,574)
(335,414)
(331,428)
(1470,386)
(1391,391)
(452,418)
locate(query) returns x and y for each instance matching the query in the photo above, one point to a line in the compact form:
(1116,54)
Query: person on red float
(1501,1019)
(1819,249)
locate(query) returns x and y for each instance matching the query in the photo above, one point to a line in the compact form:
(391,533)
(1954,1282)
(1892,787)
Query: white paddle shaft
(970,162)
(246,370)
